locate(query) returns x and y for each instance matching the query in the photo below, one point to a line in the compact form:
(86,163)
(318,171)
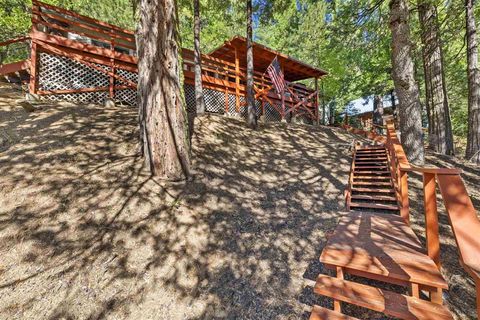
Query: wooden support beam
(317,111)
(34,60)
(111,91)
(337,305)
(431,218)
(237,81)
(405,205)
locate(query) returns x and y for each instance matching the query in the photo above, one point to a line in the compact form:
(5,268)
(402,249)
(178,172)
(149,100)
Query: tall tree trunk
(251,116)
(406,87)
(378,111)
(199,99)
(440,127)
(163,121)
(473,137)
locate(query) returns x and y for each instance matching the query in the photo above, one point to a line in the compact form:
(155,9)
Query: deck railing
(108,48)
(461,214)
(19,52)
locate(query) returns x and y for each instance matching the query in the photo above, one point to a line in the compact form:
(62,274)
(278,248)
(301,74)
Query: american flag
(276,74)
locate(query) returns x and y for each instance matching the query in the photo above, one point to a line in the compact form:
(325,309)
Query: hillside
(86,233)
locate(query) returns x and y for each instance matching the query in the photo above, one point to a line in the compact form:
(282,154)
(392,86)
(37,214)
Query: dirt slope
(86,233)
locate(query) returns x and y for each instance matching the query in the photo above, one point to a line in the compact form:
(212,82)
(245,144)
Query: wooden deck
(383,247)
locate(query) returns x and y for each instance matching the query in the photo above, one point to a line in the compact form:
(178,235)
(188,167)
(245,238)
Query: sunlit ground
(86,233)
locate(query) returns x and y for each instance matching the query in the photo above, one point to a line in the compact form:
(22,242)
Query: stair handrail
(399,166)
(461,213)
(348,191)
(6,43)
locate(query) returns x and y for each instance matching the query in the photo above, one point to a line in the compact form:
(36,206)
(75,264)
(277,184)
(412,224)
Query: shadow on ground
(86,233)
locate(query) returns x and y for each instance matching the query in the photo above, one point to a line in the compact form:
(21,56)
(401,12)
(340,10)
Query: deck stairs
(372,242)
(371,187)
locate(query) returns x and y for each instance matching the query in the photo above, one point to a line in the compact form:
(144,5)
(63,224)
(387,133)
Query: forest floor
(86,233)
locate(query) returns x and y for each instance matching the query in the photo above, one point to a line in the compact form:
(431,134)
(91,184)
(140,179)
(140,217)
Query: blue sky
(365,104)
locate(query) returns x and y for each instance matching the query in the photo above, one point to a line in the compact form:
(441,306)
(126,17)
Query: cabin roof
(293,69)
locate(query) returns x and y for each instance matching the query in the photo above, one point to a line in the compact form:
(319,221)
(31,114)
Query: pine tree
(410,110)
(163,121)
(251,115)
(199,99)
(440,127)
(473,136)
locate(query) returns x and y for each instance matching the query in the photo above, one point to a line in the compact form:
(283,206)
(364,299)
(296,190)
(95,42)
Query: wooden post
(317,112)
(477,286)
(405,208)
(323,105)
(34,55)
(431,217)
(263,110)
(414,290)
(237,81)
(111,88)
(436,296)
(226,100)
(337,306)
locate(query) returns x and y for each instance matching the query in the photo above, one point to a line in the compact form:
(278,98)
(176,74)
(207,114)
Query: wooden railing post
(477,286)
(111,87)
(237,81)
(405,205)
(34,55)
(431,217)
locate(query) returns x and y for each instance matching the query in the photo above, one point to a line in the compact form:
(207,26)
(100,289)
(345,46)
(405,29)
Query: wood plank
(369,158)
(374,206)
(372,183)
(373,197)
(365,163)
(320,313)
(373,190)
(369,173)
(372,177)
(381,245)
(390,303)
(463,219)
(14,67)
(374,167)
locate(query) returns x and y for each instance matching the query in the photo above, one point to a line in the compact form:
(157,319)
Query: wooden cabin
(80,59)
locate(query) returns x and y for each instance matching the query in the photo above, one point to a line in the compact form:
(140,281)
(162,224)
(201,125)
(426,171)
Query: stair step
(371,167)
(364,163)
(381,206)
(364,173)
(373,190)
(320,313)
(373,198)
(362,158)
(371,153)
(390,303)
(372,148)
(360,177)
(370,183)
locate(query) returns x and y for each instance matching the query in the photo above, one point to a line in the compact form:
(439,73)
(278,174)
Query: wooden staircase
(371,187)
(372,245)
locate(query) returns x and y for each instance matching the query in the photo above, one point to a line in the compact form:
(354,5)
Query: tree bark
(406,87)
(251,113)
(199,98)
(378,111)
(440,127)
(473,137)
(163,120)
